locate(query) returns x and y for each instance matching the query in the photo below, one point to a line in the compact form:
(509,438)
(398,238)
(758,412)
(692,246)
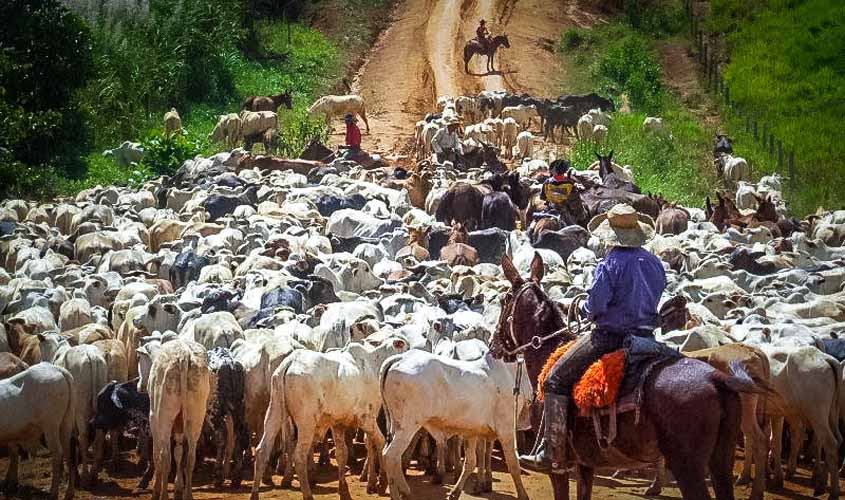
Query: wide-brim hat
(622,226)
(451,120)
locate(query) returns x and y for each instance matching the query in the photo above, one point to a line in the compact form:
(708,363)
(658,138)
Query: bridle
(572,328)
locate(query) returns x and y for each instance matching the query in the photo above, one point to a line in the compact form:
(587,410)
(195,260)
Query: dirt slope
(420,57)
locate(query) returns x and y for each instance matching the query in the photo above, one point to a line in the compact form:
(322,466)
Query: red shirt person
(353,133)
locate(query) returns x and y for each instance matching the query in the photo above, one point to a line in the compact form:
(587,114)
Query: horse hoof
(742,480)
(267,481)
(455,495)
(653,491)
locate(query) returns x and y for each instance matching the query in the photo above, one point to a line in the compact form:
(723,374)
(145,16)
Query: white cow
(654,125)
(585,127)
(521,113)
(218,329)
(39,400)
(524,145)
(735,169)
(335,105)
(179,387)
(90,374)
(510,130)
(746,196)
(126,154)
(422,390)
(316,391)
(807,384)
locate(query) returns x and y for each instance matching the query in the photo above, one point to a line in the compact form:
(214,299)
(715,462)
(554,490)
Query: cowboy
(447,143)
(482,34)
(622,302)
(557,188)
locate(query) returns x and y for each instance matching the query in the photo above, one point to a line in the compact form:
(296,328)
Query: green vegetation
(617,59)
(787,68)
(120,67)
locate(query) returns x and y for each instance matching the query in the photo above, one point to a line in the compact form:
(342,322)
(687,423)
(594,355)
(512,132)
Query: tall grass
(787,67)
(617,59)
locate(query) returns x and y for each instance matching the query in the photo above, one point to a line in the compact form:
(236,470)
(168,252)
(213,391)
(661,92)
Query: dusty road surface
(420,57)
(35,475)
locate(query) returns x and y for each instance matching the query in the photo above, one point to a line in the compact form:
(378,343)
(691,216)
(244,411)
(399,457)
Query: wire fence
(754,126)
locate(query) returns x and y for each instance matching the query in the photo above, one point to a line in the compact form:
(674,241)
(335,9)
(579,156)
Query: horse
(474,47)
(267,103)
(690,413)
(609,177)
(334,105)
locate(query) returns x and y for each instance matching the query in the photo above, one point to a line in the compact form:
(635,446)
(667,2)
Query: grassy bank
(787,68)
(618,59)
(200,56)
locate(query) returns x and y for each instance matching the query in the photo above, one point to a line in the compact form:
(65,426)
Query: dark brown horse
(267,102)
(690,414)
(474,47)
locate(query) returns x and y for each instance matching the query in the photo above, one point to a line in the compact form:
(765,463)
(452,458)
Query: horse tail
(740,381)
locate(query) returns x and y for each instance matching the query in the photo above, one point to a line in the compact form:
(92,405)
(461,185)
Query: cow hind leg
(272,425)
(376,479)
(192,434)
(723,453)
(342,456)
(303,458)
(468,469)
(392,463)
(55,446)
(776,452)
(796,432)
(161,458)
(512,461)
(179,480)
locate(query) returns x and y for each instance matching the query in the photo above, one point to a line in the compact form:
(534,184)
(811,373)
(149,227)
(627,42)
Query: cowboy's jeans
(588,349)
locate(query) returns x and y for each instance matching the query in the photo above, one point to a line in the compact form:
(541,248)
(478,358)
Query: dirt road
(420,57)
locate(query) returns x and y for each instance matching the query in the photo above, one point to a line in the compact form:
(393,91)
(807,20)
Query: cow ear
(537,268)
(510,271)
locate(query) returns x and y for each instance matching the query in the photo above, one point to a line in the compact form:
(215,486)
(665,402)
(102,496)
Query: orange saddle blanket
(598,387)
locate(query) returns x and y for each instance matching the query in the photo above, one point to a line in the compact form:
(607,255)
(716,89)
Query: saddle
(615,384)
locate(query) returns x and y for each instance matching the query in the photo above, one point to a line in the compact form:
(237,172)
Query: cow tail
(67,424)
(833,417)
(184,367)
(278,400)
(739,380)
(385,368)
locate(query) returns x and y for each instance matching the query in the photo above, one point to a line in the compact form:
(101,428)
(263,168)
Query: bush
(630,66)
(164,154)
(40,121)
(572,39)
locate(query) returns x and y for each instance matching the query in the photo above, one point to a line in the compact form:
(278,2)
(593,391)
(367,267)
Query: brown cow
(10,365)
(461,203)
(419,185)
(417,244)
(458,251)
(23,342)
(267,103)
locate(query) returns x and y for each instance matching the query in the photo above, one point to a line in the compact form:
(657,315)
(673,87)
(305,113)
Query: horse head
(527,312)
(285,98)
(605,164)
(502,40)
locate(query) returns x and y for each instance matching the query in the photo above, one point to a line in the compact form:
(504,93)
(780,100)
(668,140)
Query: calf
(421,390)
(337,390)
(121,406)
(225,417)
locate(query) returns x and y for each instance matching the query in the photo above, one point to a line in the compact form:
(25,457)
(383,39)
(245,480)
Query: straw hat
(622,226)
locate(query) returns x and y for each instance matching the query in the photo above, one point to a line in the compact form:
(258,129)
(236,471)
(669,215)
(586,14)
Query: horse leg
(724,453)
(659,479)
(560,486)
(364,117)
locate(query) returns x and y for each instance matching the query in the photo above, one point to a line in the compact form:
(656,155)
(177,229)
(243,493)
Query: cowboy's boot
(551,453)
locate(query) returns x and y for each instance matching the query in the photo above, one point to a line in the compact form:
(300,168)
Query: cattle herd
(251,316)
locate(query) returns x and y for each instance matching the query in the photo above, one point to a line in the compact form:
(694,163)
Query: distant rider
(482,34)
(559,187)
(627,285)
(447,142)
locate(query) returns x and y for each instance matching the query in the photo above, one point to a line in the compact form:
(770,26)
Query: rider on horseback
(482,34)
(622,302)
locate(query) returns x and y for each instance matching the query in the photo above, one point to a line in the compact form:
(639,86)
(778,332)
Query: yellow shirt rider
(559,187)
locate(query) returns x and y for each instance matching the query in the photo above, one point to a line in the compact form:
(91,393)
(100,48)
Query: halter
(537,341)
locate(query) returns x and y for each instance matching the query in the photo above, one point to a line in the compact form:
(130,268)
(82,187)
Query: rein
(536,342)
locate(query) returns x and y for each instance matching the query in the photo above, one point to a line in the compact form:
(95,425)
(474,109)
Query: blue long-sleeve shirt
(627,286)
